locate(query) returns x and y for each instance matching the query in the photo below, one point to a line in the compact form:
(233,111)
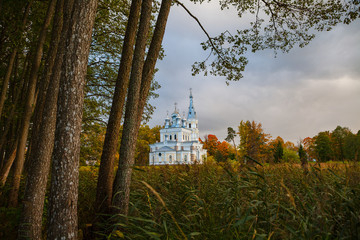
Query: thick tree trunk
(106,170)
(128,141)
(30,99)
(65,172)
(39,166)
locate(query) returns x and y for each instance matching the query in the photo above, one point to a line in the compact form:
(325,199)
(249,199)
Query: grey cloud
(294,95)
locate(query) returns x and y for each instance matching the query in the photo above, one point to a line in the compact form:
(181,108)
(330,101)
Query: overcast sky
(294,95)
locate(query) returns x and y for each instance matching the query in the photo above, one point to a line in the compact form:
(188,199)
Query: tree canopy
(279,25)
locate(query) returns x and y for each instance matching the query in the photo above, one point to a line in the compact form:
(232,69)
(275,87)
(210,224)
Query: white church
(179,140)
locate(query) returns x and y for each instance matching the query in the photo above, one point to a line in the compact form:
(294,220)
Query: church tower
(192,119)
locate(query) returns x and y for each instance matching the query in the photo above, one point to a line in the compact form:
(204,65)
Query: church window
(185,158)
(189,125)
(175,137)
(170,159)
(159,154)
(170,137)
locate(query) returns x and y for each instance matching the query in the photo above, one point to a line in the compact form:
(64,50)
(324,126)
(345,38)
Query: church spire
(191,113)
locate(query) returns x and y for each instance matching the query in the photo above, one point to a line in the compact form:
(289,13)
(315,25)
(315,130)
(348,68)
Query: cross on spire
(175,106)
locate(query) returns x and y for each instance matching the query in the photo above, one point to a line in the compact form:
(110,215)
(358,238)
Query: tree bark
(106,170)
(39,166)
(64,171)
(121,191)
(30,99)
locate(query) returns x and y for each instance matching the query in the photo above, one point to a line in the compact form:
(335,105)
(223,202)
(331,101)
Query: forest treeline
(340,144)
(72,71)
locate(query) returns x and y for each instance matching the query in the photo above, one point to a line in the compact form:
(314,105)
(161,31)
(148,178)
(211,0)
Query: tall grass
(227,201)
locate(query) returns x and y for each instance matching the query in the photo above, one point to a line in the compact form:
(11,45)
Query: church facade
(179,140)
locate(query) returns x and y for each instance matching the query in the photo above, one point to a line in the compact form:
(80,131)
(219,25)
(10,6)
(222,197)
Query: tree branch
(202,28)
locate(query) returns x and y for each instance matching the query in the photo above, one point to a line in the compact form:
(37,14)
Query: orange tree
(221,151)
(253,141)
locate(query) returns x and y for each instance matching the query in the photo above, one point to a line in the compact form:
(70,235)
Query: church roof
(165,149)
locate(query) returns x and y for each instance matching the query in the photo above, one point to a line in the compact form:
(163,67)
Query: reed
(229,201)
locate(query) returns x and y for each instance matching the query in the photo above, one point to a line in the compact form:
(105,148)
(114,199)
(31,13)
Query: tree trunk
(4,172)
(11,120)
(7,79)
(30,99)
(122,182)
(65,173)
(106,170)
(39,166)
(45,79)
(11,116)
(6,168)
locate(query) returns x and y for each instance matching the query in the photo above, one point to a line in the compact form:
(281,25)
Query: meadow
(230,201)
(227,201)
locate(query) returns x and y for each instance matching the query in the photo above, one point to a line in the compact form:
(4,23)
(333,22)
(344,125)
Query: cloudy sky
(294,95)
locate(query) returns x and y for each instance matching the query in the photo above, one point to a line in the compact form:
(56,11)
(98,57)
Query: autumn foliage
(254,144)
(221,151)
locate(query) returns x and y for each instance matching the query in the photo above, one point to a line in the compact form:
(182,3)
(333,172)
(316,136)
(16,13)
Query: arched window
(170,159)
(189,125)
(175,137)
(170,137)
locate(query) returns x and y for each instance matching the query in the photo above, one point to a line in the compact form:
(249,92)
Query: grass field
(228,201)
